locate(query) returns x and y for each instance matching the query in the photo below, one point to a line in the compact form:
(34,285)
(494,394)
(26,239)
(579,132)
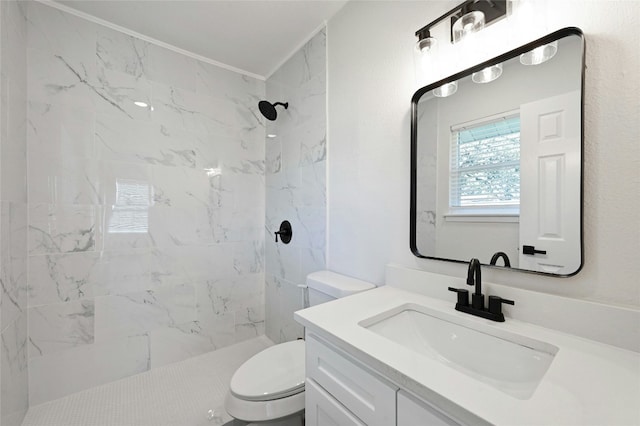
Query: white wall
(371,79)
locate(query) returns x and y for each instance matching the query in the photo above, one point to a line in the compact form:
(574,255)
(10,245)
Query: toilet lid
(274,373)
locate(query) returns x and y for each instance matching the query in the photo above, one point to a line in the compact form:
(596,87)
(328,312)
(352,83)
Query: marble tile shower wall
(13,214)
(296,184)
(145,223)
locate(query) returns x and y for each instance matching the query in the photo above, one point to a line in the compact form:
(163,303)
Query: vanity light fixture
(445,90)
(425,43)
(472,21)
(488,74)
(468,17)
(540,54)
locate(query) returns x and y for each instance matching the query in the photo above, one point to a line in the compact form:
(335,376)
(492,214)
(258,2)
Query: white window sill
(482,217)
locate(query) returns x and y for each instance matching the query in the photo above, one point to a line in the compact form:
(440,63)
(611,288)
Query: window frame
(479,213)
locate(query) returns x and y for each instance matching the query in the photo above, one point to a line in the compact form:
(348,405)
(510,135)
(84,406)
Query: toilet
(269,387)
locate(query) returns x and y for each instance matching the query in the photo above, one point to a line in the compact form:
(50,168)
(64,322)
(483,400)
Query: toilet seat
(264,411)
(274,373)
(270,385)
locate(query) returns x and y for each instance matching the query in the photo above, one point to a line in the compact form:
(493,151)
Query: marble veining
(57,327)
(63,229)
(63,180)
(145,235)
(14,368)
(62,277)
(120,52)
(13,274)
(250,322)
(83,79)
(295,168)
(59,131)
(273,156)
(120,91)
(135,314)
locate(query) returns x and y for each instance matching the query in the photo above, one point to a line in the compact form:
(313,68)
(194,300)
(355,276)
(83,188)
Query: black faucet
(474,278)
(498,255)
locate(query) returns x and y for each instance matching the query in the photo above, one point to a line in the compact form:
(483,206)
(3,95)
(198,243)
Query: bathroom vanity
(391,356)
(343,391)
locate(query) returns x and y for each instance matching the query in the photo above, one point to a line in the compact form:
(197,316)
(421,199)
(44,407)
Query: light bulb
(468,23)
(488,74)
(426,44)
(445,90)
(540,54)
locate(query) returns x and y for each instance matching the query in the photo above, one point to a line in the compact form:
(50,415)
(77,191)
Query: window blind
(130,213)
(485,164)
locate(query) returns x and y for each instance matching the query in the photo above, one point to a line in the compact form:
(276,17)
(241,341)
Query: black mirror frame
(556,35)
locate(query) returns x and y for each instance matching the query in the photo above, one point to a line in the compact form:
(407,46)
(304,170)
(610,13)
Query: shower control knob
(285,232)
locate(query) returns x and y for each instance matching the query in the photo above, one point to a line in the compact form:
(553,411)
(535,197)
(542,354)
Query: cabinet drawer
(322,410)
(412,412)
(367,396)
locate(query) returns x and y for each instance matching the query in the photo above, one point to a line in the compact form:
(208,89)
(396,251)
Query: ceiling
(255,37)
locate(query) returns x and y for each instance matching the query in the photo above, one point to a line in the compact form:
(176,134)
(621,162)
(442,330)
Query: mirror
(496,160)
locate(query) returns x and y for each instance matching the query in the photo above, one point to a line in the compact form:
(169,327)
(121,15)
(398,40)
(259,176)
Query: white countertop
(587,382)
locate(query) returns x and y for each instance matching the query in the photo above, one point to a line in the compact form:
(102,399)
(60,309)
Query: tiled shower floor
(179,394)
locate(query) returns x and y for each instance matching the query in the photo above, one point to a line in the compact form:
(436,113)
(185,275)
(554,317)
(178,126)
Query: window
(485,167)
(131,211)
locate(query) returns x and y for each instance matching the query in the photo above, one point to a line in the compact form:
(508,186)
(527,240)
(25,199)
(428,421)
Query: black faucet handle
(495,304)
(463,296)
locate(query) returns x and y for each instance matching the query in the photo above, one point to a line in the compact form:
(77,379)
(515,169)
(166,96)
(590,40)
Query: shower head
(269,110)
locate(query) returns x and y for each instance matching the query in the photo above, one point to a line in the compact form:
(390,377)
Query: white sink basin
(509,362)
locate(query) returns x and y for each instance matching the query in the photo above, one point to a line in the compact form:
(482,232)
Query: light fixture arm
(493,10)
(441,18)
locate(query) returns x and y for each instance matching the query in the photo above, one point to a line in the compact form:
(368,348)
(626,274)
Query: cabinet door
(371,398)
(412,412)
(321,409)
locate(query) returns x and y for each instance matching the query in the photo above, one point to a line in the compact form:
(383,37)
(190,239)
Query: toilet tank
(325,286)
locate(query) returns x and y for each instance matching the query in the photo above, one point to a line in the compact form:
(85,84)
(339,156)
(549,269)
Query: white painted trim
(327,222)
(297,48)
(111,25)
(485,218)
(486,120)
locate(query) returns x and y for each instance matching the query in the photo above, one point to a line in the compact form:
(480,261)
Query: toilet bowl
(269,387)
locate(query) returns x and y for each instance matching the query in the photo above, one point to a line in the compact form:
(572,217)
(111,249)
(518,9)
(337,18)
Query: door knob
(532,250)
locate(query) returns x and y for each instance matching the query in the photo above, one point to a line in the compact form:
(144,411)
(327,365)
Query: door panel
(550,184)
